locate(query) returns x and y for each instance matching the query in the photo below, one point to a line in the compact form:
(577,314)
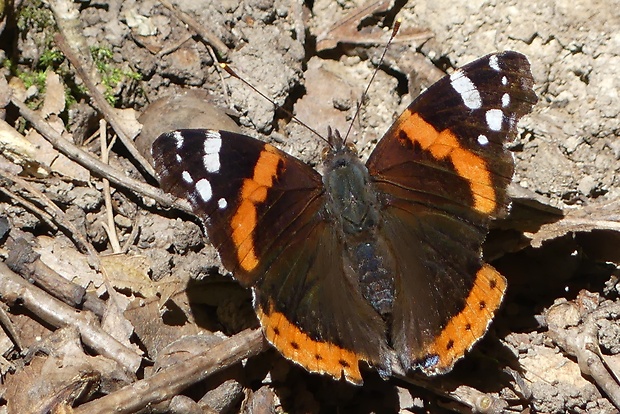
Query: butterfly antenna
(234,74)
(365,94)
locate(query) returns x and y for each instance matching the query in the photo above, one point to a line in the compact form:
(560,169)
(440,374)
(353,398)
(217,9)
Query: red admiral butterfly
(367,261)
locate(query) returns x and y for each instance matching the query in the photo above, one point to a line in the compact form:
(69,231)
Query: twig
(29,206)
(57,214)
(581,341)
(172,380)
(110,228)
(23,260)
(93,164)
(74,233)
(9,329)
(475,400)
(14,289)
(209,37)
(135,228)
(101,103)
(167,50)
(67,17)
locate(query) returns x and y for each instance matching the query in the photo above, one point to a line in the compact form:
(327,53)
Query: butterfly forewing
(248,193)
(448,146)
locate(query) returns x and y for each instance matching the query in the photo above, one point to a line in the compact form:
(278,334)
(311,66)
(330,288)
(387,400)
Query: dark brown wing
(264,212)
(442,172)
(313,311)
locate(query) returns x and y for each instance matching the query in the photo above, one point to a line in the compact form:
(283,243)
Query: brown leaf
(54,101)
(130,272)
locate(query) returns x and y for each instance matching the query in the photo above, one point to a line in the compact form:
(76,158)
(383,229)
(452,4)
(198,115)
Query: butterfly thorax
(353,206)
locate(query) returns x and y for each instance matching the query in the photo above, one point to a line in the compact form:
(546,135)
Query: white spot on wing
(212,145)
(493,63)
(222,203)
(203,187)
(465,87)
(178,137)
(187,177)
(504,80)
(482,139)
(494,119)
(178,157)
(505,100)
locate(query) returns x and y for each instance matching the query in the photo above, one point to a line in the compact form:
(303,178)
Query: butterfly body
(378,262)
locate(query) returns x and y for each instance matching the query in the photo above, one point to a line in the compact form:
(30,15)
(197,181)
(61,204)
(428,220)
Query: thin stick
(209,37)
(94,165)
(100,103)
(172,380)
(15,289)
(110,228)
(30,206)
(57,214)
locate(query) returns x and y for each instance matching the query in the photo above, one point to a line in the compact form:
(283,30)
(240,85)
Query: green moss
(111,76)
(36,19)
(34,15)
(51,58)
(36,78)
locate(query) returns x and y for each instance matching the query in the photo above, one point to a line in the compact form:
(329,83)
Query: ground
(90,231)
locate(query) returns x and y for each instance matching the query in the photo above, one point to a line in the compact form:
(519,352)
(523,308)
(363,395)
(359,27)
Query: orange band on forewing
(468,165)
(465,328)
(253,192)
(314,356)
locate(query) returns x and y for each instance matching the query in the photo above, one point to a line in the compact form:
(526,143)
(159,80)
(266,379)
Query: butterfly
(374,263)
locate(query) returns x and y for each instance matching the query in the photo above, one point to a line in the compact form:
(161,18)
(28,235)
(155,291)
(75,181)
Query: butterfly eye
(351,147)
(325,152)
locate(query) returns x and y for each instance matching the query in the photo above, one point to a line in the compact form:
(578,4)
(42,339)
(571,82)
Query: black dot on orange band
(318,357)
(276,331)
(404,140)
(468,327)
(450,344)
(493,283)
(483,304)
(294,345)
(344,363)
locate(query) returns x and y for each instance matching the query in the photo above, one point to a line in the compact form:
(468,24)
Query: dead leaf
(67,262)
(64,376)
(129,121)
(347,30)
(116,324)
(147,315)
(53,160)
(54,101)
(130,272)
(596,220)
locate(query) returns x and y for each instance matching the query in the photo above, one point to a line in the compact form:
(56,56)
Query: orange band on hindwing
(467,327)
(253,192)
(445,145)
(315,356)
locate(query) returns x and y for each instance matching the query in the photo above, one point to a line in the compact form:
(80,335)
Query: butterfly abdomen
(353,207)
(375,277)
